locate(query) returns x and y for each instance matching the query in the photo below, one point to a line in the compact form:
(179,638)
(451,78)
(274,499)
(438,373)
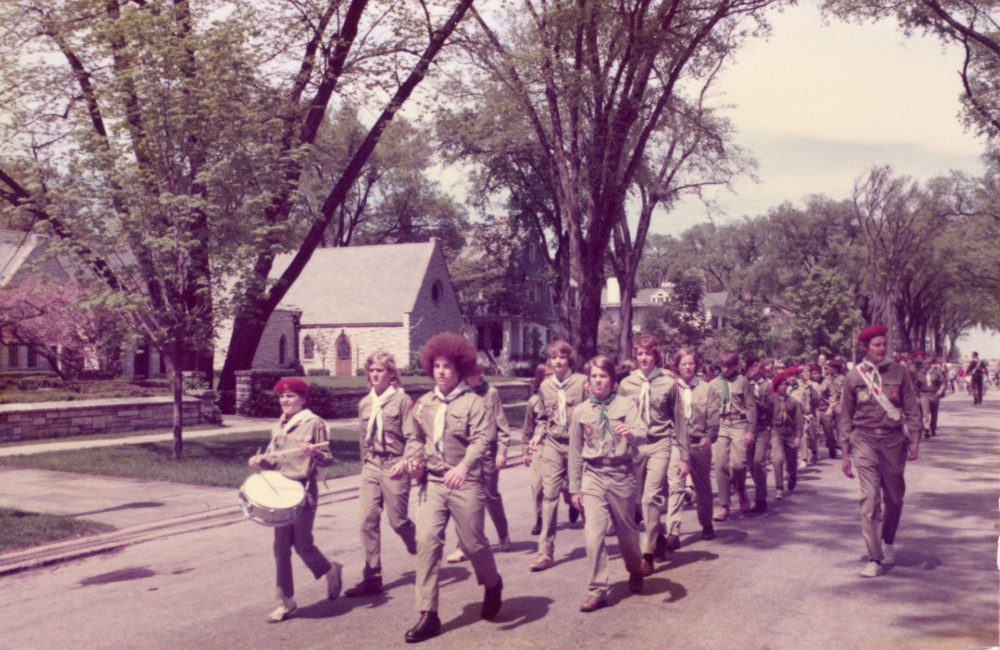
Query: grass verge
(219,461)
(19,529)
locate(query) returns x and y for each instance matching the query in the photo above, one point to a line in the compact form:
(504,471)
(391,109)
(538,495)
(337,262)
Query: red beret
(293,384)
(792,370)
(872,332)
(780,377)
(917,355)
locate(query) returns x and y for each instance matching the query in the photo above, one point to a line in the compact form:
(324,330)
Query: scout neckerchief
(686,397)
(438,431)
(870,374)
(783,410)
(725,401)
(375,417)
(561,386)
(289,425)
(644,393)
(603,421)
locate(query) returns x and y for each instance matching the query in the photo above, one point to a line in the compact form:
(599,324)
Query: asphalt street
(186,570)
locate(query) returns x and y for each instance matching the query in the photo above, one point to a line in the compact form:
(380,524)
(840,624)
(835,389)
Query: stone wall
(253,386)
(62,419)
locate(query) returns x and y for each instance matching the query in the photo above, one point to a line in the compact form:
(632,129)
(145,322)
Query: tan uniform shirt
(930,382)
(661,411)
(861,412)
(588,442)
(786,417)
(704,420)
(283,453)
(467,432)
(548,392)
(533,420)
(392,440)
(742,406)
(491,397)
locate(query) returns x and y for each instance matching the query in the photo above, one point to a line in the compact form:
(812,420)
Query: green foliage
(823,318)
(749,328)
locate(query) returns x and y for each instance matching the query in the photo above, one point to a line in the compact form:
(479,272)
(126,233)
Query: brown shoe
(593,603)
(541,562)
(635,583)
(646,566)
(721,514)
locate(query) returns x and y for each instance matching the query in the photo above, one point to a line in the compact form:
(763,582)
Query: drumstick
(293,450)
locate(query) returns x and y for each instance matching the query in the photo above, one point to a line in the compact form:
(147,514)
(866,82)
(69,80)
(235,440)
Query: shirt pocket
(894,391)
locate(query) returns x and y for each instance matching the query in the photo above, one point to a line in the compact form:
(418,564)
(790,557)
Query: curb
(37,557)
(78,548)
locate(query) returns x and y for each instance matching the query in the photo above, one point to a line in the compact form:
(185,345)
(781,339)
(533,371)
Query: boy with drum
(299,448)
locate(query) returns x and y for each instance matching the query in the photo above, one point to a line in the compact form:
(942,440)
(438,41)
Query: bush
(318,372)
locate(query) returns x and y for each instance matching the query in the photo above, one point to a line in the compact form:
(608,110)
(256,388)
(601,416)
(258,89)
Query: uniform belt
(881,431)
(384,454)
(558,439)
(608,462)
(735,419)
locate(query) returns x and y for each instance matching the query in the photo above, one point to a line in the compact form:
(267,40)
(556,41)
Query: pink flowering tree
(62,324)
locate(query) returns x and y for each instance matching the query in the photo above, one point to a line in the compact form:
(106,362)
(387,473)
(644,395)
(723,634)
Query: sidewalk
(139,509)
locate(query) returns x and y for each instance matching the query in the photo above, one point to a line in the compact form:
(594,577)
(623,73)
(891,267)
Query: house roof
(15,249)
(358,284)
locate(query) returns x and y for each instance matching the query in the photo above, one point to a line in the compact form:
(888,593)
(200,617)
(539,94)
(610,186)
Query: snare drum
(272,499)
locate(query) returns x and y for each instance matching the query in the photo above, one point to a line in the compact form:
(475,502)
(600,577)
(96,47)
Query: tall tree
(593,80)
(693,150)
(164,143)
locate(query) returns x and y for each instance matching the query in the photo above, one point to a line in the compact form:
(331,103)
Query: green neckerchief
(604,423)
(725,392)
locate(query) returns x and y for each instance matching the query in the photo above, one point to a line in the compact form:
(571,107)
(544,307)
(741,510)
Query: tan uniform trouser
(929,406)
(785,457)
(436,504)
(701,478)
(730,454)
(658,465)
(298,535)
(536,483)
(880,477)
(493,500)
(554,480)
(378,492)
(811,438)
(829,425)
(609,499)
(758,466)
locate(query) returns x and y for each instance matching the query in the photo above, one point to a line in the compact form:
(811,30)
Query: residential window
(307,348)
(32,358)
(282,344)
(12,355)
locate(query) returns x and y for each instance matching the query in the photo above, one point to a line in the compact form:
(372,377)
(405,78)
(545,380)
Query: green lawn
(216,460)
(20,529)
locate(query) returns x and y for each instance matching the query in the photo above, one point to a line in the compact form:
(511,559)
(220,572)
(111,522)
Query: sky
(820,104)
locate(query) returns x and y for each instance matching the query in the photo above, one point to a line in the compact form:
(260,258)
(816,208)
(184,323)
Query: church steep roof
(358,285)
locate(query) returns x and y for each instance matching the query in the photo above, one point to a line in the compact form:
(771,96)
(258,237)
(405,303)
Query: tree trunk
(591,282)
(625,288)
(177,384)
